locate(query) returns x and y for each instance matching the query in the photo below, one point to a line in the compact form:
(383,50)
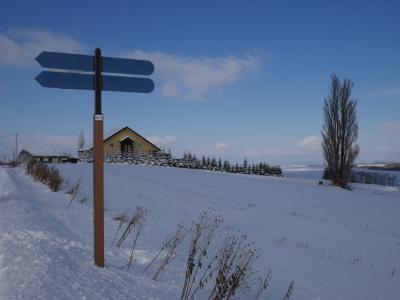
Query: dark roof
(51,155)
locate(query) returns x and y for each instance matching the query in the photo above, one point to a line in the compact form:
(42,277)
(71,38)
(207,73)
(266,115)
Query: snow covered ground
(334,243)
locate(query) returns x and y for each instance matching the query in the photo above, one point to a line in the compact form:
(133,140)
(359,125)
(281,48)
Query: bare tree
(81,140)
(340,132)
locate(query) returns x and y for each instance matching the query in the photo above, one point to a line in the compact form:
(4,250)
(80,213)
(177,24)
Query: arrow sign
(65,80)
(78,62)
(76,81)
(55,60)
(127,84)
(127,66)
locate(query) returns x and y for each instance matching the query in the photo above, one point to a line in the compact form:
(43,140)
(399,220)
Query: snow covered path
(45,250)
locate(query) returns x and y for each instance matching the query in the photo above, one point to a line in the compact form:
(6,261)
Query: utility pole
(16,146)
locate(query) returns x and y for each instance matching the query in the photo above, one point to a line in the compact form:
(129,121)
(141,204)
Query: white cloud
(163,141)
(192,78)
(19,46)
(222,146)
(311,143)
(390,127)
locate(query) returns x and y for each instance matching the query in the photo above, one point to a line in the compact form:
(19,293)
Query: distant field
(307,172)
(316,172)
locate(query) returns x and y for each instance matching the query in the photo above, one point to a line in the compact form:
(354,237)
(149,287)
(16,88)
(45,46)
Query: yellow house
(124,140)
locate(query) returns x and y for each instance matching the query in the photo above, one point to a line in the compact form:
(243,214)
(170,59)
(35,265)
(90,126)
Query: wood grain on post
(98,191)
(98,168)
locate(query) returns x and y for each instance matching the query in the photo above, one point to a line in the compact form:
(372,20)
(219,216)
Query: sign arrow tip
(39,78)
(37,58)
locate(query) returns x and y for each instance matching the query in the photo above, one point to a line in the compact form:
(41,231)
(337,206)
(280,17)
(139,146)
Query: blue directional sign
(63,80)
(85,63)
(77,62)
(127,84)
(127,66)
(77,81)
(66,61)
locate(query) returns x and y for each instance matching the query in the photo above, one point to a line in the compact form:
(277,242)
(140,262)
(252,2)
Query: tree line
(191,161)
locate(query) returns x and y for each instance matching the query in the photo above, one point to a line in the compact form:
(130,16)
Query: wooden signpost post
(95,80)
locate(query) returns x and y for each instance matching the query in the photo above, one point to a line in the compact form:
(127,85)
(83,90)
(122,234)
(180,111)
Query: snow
(46,251)
(334,243)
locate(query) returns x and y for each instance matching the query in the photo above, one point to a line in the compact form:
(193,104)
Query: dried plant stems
(289,291)
(73,191)
(234,266)
(134,226)
(202,234)
(121,219)
(171,248)
(138,231)
(137,217)
(264,283)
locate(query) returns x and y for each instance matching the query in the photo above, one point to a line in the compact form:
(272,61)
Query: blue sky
(233,78)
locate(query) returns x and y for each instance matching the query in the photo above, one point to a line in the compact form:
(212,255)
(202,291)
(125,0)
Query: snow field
(335,244)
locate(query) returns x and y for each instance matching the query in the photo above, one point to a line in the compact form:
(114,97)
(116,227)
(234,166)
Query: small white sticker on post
(98,117)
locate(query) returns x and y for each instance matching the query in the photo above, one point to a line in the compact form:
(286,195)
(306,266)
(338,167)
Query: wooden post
(98,168)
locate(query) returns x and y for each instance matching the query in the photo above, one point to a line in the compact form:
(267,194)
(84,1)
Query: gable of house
(127,140)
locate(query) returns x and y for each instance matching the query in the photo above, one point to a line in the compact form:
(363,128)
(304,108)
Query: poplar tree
(340,132)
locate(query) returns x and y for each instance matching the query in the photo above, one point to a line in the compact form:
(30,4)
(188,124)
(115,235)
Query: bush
(13,164)
(54,179)
(42,173)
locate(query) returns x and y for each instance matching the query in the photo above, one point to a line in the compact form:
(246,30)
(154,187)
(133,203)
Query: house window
(111,145)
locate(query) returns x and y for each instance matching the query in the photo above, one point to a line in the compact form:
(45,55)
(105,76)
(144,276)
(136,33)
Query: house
(52,158)
(122,140)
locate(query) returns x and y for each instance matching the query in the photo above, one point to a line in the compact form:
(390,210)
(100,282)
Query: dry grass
(170,248)
(42,173)
(202,235)
(73,191)
(289,291)
(234,269)
(134,229)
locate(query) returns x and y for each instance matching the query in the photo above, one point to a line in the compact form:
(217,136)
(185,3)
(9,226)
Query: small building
(122,140)
(52,158)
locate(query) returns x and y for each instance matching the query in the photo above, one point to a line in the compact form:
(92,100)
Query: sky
(233,79)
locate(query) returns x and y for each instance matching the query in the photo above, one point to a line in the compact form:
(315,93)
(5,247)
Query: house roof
(51,155)
(113,132)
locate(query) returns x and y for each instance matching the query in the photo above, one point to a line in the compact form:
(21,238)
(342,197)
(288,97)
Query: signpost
(95,80)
